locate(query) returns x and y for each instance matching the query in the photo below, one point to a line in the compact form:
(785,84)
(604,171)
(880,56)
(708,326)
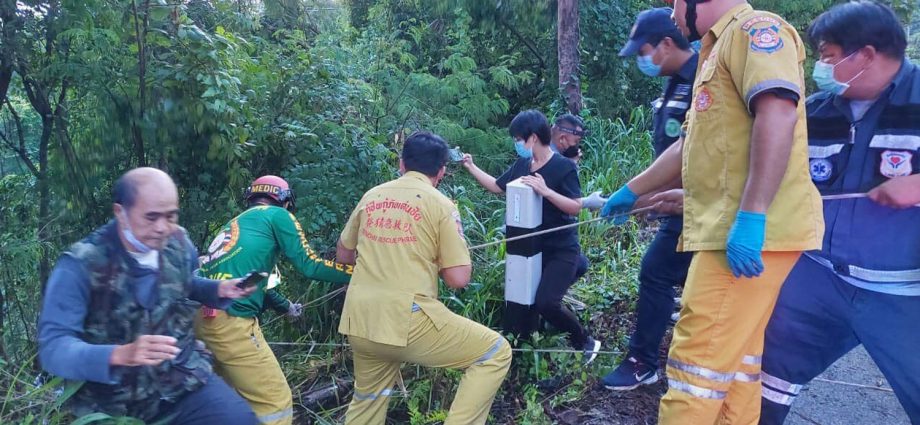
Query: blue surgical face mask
(647,66)
(521,150)
(824,77)
(133,240)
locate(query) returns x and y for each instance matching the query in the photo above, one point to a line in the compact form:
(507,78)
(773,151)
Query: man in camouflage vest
(118,315)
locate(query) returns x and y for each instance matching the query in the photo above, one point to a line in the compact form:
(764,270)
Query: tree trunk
(11,25)
(37,93)
(3,326)
(140,30)
(44,201)
(567,40)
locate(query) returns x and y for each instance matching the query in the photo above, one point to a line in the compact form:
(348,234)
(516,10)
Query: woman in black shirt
(555,178)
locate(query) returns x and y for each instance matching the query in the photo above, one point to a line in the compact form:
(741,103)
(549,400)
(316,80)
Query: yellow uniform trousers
(459,344)
(244,360)
(714,363)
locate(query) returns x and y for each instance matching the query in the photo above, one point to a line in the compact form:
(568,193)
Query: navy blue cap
(651,26)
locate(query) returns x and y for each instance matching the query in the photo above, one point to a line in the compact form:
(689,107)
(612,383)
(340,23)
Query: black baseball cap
(651,26)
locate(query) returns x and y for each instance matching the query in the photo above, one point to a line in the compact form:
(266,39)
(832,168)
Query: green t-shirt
(253,241)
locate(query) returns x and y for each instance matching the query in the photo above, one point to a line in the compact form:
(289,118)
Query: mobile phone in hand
(251,280)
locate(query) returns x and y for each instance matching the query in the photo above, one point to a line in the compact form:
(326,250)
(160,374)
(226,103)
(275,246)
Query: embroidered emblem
(896,164)
(766,40)
(821,169)
(672,127)
(223,243)
(759,19)
(703,100)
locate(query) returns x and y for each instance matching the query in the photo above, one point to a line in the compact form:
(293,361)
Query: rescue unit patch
(821,169)
(703,100)
(672,127)
(759,19)
(766,40)
(896,164)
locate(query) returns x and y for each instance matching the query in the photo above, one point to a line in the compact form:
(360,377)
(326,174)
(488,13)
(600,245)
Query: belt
(869,275)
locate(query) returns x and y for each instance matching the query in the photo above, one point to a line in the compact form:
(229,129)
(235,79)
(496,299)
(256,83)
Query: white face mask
(129,236)
(150,260)
(826,81)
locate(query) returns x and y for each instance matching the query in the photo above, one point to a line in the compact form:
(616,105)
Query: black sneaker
(629,375)
(591,347)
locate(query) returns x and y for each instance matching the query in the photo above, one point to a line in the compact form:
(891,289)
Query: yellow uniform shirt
(405,232)
(746,53)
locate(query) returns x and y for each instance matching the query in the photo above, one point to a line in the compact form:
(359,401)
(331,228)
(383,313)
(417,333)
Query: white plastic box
(522,278)
(523,210)
(523,206)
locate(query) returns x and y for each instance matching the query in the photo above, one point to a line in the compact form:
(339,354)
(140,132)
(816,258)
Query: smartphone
(456,155)
(251,279)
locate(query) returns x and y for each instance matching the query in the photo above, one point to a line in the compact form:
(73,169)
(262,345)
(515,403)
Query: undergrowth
(613,151)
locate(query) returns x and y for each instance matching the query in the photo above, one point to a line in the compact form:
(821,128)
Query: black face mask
(690,18)
(570,152)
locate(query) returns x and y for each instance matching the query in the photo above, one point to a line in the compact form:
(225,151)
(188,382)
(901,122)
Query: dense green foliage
(321,92)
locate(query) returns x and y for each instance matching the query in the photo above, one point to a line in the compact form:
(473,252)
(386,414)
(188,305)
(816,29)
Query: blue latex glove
(620,202)
(745,242)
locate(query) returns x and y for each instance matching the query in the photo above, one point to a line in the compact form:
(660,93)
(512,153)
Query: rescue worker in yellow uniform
(254,241)
(402,236)
(750,209)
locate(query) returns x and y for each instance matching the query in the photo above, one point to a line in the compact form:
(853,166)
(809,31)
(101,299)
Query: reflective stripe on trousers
(711,375)
(779,391)
(373,396)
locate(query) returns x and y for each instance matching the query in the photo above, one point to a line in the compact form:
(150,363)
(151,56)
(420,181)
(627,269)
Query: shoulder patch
(766,40)
(764,33)
(760,19)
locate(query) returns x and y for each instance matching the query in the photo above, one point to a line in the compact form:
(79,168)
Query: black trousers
(663,268)
(213,404)
(561,269)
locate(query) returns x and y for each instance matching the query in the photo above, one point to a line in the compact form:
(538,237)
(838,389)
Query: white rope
(837,197)
(567,226)
(516,350)
(850,384)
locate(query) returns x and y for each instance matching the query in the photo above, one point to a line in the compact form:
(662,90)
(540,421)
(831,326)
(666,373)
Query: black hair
(857,24)
(571,120)
(531,122)
(257,199)
(125,190)
(679,39)
(425,152)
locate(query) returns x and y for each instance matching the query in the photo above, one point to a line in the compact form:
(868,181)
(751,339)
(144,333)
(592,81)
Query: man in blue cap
(661,51)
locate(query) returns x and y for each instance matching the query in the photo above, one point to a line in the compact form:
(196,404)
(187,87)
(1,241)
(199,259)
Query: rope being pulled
(517,350)
(837,197)
(556,229)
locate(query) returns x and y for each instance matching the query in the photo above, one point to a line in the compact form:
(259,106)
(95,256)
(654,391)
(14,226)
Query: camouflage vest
(115,317)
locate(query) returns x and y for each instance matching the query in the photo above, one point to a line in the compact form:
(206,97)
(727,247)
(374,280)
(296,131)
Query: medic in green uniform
(254,241)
